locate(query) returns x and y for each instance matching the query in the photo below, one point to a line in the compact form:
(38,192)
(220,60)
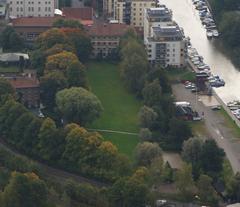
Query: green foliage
(6,88)
(76,75)
(206,191)
(71,23)
(78,105)
(147,117)
(185,182)
(233,188)
(145,134)
(24,190)
(212,158)
(152,93)
(130,191)
(50,84)
(10,40)
(50,144)
(146,152)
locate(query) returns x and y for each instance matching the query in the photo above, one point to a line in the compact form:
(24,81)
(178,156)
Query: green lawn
(230,123)
(178,74)
(10,69)
(120,107)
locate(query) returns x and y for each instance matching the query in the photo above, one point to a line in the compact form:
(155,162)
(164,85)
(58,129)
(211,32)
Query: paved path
(215,125)
(114,131)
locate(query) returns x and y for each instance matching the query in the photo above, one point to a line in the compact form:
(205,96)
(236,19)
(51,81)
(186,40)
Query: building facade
(33,8)
(166,46)
(137,11)
(108,7)
(164,40)
(105,38)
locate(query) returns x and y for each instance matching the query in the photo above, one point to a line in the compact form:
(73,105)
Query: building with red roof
(105,37)
(27,89)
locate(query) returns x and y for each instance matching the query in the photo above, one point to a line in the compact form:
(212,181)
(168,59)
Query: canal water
(187,17)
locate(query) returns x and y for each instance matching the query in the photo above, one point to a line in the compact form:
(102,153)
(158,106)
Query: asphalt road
(215,125)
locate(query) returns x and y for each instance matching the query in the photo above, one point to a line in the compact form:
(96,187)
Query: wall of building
(35,8)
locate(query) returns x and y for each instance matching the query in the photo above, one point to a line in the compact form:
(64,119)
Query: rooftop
(107,29)
(159,14)
(84,13)
(24,82)
(168,31)
(34,21)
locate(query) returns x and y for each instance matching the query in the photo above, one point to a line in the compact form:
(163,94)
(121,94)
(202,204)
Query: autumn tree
(78,105)
(50,38)
(24,190)
(60,61)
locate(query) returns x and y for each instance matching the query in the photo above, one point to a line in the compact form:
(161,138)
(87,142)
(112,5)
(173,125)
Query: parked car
(216,108)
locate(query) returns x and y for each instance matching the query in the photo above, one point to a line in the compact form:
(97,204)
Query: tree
(145,134)
(24,190)
(10,40)
(191,153)
(146,152)
(81,41)
(50,142)
(211,158)
(233,188)
(156,170)
(50,84)
(185,182)
(60,61)
(6,87)
(178,133)
(133,70)
(147,117)
(152,93)
(78,105)
(206,191)
(76,75)
(50,38)
(70,23)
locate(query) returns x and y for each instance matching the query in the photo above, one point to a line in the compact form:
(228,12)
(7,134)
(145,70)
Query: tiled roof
(84,13)
(24,82)
(107,29)
(33,21)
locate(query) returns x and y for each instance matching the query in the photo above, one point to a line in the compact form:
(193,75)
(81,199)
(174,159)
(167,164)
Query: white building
(164,39)
(137,11)
(32,8)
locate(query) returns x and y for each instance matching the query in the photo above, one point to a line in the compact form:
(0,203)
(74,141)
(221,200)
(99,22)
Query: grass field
(180,74)
(11,69)
(230,123)
(120,107)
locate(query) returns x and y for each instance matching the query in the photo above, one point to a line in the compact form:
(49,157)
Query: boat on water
(215,33)
(209,34)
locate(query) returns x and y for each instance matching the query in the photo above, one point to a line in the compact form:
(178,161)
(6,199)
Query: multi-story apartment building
(166,46)
(137,11)
(122,11)
(32,8)
(164,39)
(108,8)
(153,17)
